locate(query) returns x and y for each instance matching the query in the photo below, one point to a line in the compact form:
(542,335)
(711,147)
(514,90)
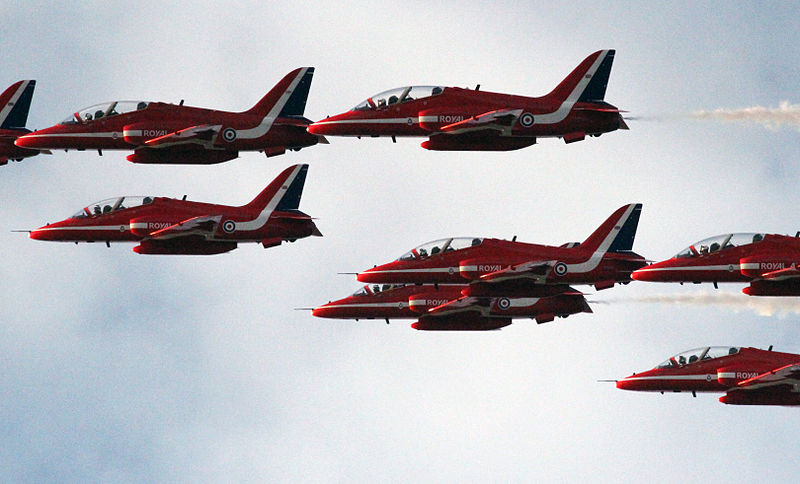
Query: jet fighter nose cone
(643,274)
(626,384)
(316,129)
(26,141)
(39,234)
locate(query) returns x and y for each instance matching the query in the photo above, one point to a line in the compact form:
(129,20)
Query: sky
(118,367)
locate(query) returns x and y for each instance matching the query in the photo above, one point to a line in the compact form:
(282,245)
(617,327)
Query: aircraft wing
(776,387)
(462,314)
(787,376)
(203,134)
(782,274)
(465,304)
(204,225)
(498,120)
(536,270)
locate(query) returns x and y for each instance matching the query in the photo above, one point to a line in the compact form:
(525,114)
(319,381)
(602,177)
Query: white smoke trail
(786,114)
(763,306)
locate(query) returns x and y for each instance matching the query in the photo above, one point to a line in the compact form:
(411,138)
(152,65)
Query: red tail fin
(587,82)
(616,234)
(288,97)
(15,103)
(284,192)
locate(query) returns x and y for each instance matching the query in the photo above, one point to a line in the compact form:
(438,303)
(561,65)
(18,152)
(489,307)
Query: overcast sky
(121,367)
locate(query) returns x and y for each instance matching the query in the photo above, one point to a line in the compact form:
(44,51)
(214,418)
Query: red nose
(41,234)
(27,141)
(645,274)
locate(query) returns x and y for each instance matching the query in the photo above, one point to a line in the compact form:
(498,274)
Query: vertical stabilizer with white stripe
(587,82)
(283,193)
(288,97)
(616,234)
(15,102)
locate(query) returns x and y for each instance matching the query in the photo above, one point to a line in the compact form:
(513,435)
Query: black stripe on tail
(596,89)
(296,104)
(291,199)
(624,240)
(18,116)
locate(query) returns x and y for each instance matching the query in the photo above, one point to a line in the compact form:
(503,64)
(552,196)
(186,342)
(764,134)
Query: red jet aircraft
(169,226)
(443,307)
(166,133)
(767,261)
(748,376)
(456,119)
(514,269)
(15,102)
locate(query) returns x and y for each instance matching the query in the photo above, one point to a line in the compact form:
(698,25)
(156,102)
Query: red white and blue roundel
(229,134)
(229,226)
(526,120)
(503,303)
(560,269)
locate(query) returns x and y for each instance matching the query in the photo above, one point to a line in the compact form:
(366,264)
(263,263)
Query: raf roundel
(229,226)
(526,120)
(560,269)
(503,303)
(229,134)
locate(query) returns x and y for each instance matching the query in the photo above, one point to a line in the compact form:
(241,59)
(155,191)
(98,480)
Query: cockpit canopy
(104,110)
(717,243)
(111,205)
(699,354)
(398,95)
(369,290)
(442,245)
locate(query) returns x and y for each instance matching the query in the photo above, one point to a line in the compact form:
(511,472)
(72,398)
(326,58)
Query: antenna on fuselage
(184,197)
(514,238)
(477,87)
(180,103)
(770,348)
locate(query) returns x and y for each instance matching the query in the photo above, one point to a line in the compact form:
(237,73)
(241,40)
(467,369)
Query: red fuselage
(751,262)
(117,224)
(427,116)
(721,373)
(404,302)
(132,130)
(433,303)
(571,265)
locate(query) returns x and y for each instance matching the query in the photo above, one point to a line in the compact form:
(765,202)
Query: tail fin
(284,192)
(587,82)
(288,97)
(15,103)
(616,234)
